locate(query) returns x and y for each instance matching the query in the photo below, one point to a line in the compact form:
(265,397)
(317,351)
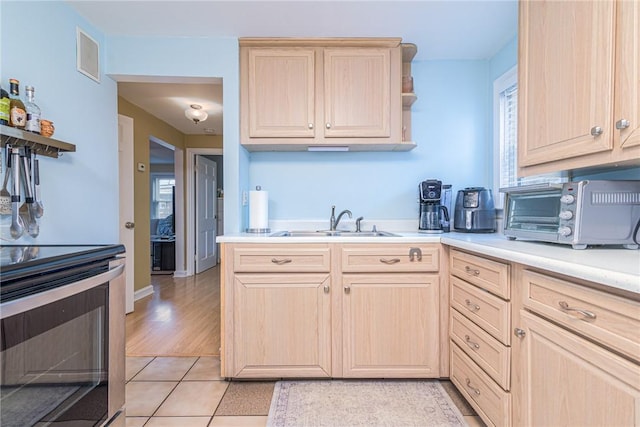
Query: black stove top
(26,269)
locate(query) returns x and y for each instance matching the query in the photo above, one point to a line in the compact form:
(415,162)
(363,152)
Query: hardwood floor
(181,318)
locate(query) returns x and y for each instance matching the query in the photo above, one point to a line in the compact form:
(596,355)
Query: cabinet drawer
(492,403)
(485,310)
(485,273)
(390,258)
(282,258)
(492,356)
(611,320)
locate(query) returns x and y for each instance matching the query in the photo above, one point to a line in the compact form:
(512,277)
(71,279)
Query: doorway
(191,211)
(162,207)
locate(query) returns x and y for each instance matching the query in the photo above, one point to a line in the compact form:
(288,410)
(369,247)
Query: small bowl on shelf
(46,128)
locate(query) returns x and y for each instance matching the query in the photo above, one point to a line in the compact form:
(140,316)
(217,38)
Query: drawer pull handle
(280,261)
(470,343)
(390,261)
(584,313)
(472,388)
(471,271)
(472,306)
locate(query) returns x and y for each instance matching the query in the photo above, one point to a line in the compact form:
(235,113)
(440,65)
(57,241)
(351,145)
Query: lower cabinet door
(569,381)
(390,325)
(282,325)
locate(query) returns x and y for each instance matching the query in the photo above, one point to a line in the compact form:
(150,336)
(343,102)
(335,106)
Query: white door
(125,167)
(206,199)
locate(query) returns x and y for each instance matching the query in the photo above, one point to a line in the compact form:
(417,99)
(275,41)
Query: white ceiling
(167,101)
(442,29)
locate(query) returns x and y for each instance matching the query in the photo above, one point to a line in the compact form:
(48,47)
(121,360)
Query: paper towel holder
(258,230)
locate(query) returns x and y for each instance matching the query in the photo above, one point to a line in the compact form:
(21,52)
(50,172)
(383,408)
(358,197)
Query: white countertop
(616,268)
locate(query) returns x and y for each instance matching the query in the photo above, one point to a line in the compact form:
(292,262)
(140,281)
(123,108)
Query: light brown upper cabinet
(281,93)
(579,85)
(300,94)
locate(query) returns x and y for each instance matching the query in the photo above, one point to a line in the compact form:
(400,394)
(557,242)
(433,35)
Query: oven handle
(30,302)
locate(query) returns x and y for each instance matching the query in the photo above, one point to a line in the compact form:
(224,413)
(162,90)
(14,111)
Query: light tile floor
(184,392)
(178,392)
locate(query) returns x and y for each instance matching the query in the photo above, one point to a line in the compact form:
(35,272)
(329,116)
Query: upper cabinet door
(566,71)
(281,92)
(627,102)
(357,92)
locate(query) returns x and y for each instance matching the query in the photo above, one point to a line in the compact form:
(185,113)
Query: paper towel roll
(258,210)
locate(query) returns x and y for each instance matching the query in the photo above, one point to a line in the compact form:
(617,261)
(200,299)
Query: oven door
(55,355)
(532,212)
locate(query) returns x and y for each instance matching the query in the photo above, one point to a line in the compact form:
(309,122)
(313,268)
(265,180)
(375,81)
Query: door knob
(130,225)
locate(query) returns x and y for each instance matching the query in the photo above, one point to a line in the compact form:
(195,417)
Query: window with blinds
(162,195)
(508,168)
(505,130)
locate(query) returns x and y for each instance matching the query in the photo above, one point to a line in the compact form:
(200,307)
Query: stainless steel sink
(338,233)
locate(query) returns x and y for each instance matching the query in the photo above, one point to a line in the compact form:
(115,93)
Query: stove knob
(567,199)
(564,231)
(566,215)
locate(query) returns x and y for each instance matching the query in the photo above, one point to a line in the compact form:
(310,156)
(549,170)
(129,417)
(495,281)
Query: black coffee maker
(435,203)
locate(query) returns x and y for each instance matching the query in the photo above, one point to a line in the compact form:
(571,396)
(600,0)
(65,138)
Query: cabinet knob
(130,225)
(622,124)
(326,289)
(328,125)
(310,125)
(347,290)
(520,333)
(596,131)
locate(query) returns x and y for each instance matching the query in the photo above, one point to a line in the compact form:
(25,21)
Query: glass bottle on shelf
(17,111)
(4,107)
(33,111)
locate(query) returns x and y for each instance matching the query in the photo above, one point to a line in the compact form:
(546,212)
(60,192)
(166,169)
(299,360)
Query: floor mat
(333,403)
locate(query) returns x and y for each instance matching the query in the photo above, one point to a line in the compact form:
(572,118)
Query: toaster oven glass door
(533,212)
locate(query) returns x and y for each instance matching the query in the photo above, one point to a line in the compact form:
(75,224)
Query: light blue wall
(450,126)
(194,57)
(503,61)
(80,190)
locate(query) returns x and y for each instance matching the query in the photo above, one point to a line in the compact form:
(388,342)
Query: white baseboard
(180,273)
(141,293)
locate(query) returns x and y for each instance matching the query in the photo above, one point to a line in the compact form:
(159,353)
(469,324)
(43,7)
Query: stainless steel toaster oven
(577,213)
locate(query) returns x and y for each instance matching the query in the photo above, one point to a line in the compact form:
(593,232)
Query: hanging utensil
(17,226)
(37,202)
(5,196)
(33,229)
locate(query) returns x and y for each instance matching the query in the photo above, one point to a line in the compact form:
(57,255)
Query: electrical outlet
(245,198)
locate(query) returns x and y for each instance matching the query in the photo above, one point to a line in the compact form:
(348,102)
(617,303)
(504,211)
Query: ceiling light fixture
(196,113)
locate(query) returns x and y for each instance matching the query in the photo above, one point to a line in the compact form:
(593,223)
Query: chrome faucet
(333,222)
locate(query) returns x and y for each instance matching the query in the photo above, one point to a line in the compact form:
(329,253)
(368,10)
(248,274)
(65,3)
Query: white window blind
(505,109)
(508,136)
